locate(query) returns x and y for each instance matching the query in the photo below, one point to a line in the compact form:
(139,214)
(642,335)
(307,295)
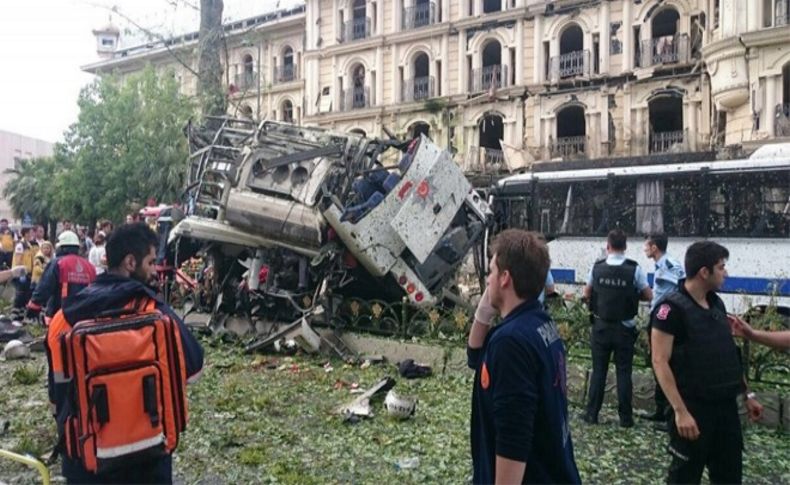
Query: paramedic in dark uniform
(699,368)
(614,287)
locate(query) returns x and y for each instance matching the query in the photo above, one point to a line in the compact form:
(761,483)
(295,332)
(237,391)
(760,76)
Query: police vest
(614,295)
(707,365)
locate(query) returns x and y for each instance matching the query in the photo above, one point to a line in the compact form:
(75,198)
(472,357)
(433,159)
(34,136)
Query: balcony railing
(418,16)
(355,98)
(355,29)
(418,88)
(782,120)
(782,13)
(485,78)
(246,80)
(569,146)
(666,141)
(484,160)
(571,64)
(671,49)
(285,73)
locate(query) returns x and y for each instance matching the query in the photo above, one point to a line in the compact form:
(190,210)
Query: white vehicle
(741,204)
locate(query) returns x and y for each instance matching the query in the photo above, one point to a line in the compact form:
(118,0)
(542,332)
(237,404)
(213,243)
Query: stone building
(547,80)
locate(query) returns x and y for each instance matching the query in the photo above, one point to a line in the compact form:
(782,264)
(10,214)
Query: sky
(43,43)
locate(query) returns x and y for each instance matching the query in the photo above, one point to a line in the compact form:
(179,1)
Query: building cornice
(765,37)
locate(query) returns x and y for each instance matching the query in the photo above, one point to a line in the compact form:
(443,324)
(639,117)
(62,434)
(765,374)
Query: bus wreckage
(289,218)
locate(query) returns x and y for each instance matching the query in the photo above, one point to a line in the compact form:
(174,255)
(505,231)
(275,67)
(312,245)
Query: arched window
(246,111)
(419,128)
(287,110)
(492,74)
(490,134)
(666,123)
(573,59)
(288,73)
(666,46)
(421,86)
(571,133)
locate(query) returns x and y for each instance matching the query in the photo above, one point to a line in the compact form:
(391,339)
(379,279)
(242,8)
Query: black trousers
(23,292)
(719,446)
(609,338)
(662,404)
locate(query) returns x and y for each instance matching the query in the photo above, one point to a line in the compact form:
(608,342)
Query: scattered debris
(16,349)
(365,365)
(401,407)
(411,370)
(408,463)
(328,367)
(360,406)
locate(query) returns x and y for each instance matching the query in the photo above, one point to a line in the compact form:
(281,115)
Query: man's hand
(687,426)
(754,408)
(18,271)
(739,327)
(485,312)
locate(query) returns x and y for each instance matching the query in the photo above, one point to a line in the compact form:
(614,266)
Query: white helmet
(401,407)
(68,238)
(15,349)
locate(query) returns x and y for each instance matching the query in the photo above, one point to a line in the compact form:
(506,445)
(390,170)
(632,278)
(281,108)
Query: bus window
(681,206)
(649,202)
(622,206)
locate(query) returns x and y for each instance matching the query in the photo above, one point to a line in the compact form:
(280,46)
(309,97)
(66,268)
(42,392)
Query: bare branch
(176,3)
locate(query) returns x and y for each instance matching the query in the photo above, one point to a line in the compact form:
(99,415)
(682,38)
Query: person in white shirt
(98,255)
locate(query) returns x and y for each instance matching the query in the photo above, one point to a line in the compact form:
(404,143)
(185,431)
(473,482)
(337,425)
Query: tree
(211,35)
(30,190)
(126,146)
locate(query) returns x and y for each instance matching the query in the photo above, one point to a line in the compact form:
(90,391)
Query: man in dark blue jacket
(520,428)
(131,255)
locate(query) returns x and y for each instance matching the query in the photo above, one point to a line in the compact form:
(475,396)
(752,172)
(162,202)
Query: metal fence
(418,16)
(418,88)
(666,141)
(285,73)
(670,49)
(569,146)
(571,64)
(485,78)
(355,29)
(355,98)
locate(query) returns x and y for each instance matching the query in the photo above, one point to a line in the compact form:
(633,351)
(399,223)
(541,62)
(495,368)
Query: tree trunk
(212,95)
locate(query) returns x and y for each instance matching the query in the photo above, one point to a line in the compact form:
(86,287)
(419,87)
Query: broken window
(491,133)
(649,205)
(419,128)
(287,110)
(573,60)
(749,205)
(666,124)
(681,206)
(571,133)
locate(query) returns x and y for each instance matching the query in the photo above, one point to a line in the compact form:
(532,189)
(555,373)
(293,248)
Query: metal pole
(258,97)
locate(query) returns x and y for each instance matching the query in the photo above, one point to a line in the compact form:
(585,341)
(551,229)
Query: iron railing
(355,29)
(664,141)
(285,73)
(418,16)
(671,49)
(569,146)
(571,64)
(484,160)
(355,98)
(485,78)
(246,80)
(782,13)
(418,88)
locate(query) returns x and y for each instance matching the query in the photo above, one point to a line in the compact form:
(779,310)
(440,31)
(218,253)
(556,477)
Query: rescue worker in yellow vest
(24,255)
(7,242)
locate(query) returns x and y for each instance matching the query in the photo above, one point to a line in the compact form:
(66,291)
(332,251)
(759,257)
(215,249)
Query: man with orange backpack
(119,360)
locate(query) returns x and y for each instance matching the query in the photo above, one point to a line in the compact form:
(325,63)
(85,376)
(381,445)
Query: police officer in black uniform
(614,287)
(699,368)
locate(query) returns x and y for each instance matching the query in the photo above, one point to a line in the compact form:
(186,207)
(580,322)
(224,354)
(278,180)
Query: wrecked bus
(289,213)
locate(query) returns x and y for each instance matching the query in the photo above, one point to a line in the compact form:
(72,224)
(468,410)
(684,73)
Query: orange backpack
(127,395)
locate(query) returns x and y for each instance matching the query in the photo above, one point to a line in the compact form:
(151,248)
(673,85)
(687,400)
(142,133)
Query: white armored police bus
(742,204)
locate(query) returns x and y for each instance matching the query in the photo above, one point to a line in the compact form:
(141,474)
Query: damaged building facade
(554,80)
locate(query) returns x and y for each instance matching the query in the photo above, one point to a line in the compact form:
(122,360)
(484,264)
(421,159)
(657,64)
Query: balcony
(672,49)
(285,73)
(569,147)
(246,80)
(782,120)
(418,16)
(490,77)
(355,98)
(667,141)
(569,65)
(484,160)
(417,89)
(355,29)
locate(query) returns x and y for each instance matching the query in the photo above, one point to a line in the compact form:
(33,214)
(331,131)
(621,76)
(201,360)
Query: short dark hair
(704,254)
(661,241)
(24,231)
(526,257)
(136,239)
(616,239)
